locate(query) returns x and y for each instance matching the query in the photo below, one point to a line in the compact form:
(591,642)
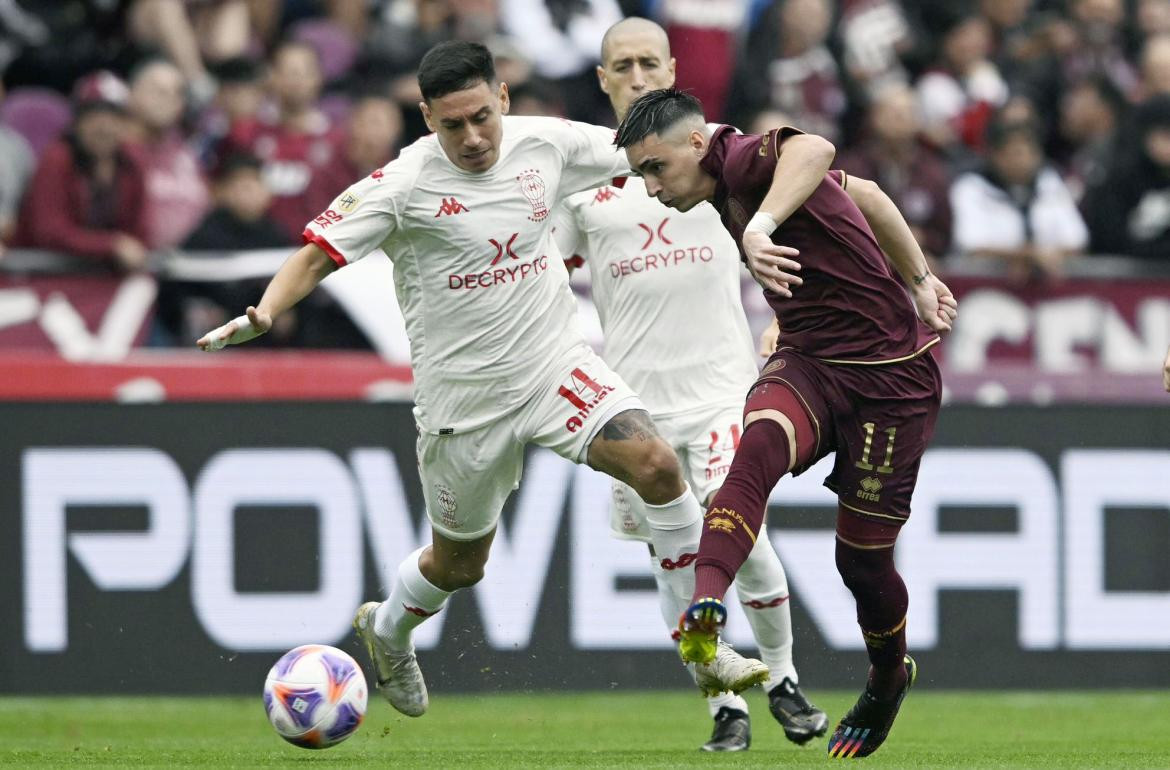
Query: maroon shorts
(876,419)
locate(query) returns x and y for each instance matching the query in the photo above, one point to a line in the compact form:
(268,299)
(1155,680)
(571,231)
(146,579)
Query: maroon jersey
(290,160)
(850,308)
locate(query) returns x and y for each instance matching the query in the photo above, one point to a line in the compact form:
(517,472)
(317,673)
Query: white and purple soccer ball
(315,696)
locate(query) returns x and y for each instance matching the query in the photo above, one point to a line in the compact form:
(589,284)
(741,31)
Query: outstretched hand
(772,266)
(241,329)
(936,306)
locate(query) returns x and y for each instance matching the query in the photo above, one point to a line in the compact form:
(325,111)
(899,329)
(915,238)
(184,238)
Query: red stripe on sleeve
(319,240)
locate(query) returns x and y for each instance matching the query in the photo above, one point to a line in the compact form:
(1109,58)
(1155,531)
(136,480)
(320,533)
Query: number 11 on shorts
(864,463)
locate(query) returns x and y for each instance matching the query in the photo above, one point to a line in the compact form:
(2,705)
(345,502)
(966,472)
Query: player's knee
(656,475)
(860,567)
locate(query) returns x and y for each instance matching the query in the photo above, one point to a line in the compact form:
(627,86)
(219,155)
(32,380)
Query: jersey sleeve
(751,161)
(591,159)
(367,213)
(567,234)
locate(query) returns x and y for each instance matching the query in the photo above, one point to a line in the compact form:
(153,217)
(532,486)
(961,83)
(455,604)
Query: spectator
(191,35)
(54,44)
(1016,209)
(88,194)
(373,136)
(237,101)
(239,221)
(910,171)
(1152,17)
(958,95)
(562,39)
(1099,48)
(295,142)
(874,35)
(16,166)
(708,33)
(176,195)
(536,97)
(1129,211)
(1090,114)
(1155,66)
(801,77)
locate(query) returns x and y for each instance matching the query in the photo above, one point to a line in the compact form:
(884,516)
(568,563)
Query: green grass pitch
(643,730)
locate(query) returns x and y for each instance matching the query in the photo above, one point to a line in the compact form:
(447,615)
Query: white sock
(675,528)
(412,600)
(726,700)
(671,609)
(763,592)
(668,603)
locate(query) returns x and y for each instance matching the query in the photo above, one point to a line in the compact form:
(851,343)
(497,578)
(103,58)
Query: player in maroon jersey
(852,376)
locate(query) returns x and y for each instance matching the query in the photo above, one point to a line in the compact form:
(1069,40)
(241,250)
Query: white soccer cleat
(400,680)
(729,671)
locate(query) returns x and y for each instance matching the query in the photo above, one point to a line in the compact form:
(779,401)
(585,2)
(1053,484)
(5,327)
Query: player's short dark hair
(654,112)
(454,65)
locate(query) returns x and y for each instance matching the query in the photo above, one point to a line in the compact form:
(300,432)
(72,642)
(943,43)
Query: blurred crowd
(1021,131)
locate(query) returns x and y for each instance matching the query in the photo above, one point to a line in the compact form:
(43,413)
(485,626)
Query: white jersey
(667,289)
(482,288)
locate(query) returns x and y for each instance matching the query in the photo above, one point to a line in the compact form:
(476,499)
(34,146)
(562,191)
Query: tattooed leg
(629,448)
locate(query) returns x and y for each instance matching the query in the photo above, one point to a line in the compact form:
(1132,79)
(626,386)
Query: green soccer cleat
(864,729)
(698,630)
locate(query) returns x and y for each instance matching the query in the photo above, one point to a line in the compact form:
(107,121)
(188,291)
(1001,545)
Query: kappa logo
(650,232)
(377,175)
(418,611)
(450,206)
(533,188)
(757,604)
(721,525)
(605,194)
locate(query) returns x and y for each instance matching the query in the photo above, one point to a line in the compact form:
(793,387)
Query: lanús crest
(533,188)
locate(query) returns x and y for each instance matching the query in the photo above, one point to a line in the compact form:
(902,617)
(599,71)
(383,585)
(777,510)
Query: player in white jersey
(667,290)
(498,359)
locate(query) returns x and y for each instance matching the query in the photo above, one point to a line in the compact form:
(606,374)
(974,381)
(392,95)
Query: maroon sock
(732,522)
(881,612)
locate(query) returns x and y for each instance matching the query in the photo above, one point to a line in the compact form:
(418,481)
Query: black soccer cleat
(868,723)
(801,720)
(733,731)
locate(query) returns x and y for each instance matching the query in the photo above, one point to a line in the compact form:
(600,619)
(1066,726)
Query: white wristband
(243,333)
(762,222)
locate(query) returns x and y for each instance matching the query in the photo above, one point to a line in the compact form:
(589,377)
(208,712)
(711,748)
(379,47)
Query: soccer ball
(315,696)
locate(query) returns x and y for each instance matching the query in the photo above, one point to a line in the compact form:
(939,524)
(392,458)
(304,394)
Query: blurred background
(160,158)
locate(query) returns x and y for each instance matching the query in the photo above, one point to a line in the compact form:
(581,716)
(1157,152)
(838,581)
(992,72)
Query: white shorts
(705,442)
(466,477)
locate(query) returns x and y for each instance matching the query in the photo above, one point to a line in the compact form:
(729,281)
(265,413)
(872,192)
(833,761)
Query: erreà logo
(532,187)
